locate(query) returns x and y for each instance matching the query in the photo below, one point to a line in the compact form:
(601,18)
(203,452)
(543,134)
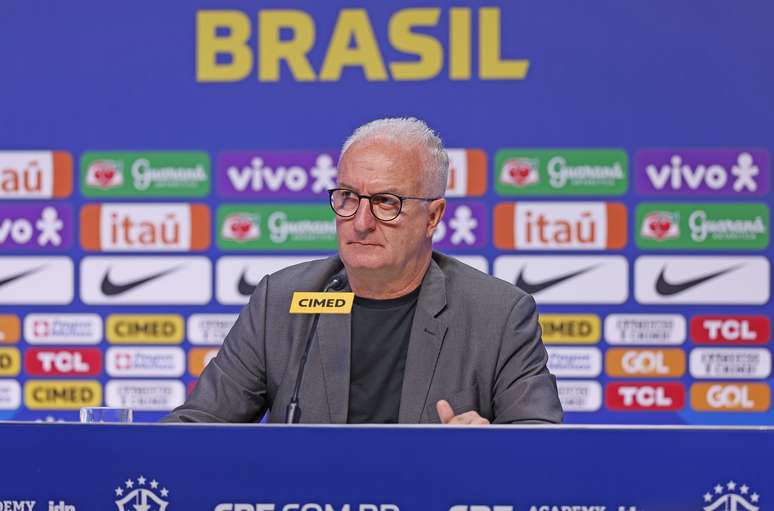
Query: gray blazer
(475,341)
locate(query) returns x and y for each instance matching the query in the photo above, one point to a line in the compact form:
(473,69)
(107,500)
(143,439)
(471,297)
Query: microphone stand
(293,411)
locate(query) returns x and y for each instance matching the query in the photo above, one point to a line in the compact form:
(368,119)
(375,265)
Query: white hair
(411,132)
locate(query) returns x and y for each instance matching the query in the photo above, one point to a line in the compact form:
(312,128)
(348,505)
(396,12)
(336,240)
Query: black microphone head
(337,283)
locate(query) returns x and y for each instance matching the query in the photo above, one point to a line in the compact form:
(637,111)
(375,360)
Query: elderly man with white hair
(429,339)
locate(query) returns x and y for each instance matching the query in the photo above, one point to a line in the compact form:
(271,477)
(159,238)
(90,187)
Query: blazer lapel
(334,334)
(425,341)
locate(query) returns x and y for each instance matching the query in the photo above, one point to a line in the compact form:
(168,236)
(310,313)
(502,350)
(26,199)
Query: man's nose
(364,218)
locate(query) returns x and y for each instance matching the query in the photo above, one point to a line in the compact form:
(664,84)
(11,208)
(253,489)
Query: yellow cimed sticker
(321,303)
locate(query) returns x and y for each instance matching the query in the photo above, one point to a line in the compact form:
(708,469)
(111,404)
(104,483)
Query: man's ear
(437,207)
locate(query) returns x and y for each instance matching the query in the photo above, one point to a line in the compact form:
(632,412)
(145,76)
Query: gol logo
(10,328)
(63,362)
(645,396)
(61,395)
(730,329)
(144,227)
(731,397)
(10,362)
(652,363)
(144,329)
(198,358)
(570,328)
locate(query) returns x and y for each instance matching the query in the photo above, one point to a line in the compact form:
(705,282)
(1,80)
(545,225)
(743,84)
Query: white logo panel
(730,363)
(457,185)
(10,395)
(574,362)
(146,280)
(145,362)
(237,276)
(63,328)
(567,279)
(579,395)
(209,329)
(540,224)
(36,280)
(702,280)
(645,329)
(145,227)
(145,395)
(478,262)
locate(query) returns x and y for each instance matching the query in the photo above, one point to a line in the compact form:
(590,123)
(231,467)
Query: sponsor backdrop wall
(613,159)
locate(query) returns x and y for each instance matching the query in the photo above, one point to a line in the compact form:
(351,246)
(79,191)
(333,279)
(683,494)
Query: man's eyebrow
(348,187)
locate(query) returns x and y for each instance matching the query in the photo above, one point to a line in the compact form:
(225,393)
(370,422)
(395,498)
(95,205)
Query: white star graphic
(154,484)
(129,483)
(731,485)
(754,497)
(141,480)
(707,497)
(744,489)
(718,489)
(164,492)
(119,491)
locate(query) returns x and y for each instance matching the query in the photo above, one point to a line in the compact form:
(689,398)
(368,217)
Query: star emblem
(744,489)
(754,497)
(707,497)
(129,483)
(718,489)
(154,484)
(164,492)
(731,485)
(119,491)
(141,480)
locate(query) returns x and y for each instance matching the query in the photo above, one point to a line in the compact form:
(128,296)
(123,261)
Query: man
(429,339)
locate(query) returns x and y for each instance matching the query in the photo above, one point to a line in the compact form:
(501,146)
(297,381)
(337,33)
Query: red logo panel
(63,362)
(730,329)
(645,396)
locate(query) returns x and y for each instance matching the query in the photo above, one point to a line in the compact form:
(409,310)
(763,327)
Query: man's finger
(445,411)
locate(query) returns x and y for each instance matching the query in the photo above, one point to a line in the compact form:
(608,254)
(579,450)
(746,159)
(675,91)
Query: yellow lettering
(459,43)
(491,67)
(293,51)
(428,48)
(353,24)
(209,45)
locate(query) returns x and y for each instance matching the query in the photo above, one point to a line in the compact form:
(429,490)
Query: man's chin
(363,257)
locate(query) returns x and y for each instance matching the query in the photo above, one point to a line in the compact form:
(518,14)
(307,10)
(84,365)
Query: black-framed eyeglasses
(384,206)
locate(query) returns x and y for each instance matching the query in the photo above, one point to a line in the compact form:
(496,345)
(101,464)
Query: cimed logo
(141,495)
(731,497)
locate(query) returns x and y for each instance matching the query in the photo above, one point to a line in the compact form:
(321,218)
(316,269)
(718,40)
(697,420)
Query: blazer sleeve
(232,387)
(524,390)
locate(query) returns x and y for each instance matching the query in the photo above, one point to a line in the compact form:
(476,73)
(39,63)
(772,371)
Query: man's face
(365,242)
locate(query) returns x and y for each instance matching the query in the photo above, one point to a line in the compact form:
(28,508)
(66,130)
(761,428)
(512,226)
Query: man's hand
(447,416)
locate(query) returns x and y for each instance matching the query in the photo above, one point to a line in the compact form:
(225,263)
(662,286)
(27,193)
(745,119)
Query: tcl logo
(64,362)
(730,329)
(654,363)
(727,397)
(645,396)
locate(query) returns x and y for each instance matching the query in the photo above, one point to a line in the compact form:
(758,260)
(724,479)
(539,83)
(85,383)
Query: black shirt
(380,338)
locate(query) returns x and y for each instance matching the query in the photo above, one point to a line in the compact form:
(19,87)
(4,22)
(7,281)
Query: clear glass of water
(105,414)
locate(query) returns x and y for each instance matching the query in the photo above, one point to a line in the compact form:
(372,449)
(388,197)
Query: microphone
(293,411)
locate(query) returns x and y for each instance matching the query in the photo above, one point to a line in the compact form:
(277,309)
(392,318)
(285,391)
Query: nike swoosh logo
(536,287)
(244,287)
(110,288)
(18,276)
(665,288)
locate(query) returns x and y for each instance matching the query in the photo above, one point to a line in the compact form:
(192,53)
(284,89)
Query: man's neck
(385,284)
